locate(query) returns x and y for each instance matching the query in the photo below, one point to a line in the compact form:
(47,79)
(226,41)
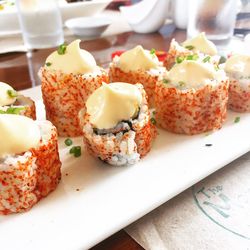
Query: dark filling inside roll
(123,126)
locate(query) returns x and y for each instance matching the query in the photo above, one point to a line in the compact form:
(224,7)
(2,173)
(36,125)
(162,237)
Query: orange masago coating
(239,96)
(29,106)
(191,111)
(147,79)
(65,94)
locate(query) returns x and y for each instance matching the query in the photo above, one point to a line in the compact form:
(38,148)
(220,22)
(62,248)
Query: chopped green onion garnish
(154,112)
(12,93)
(222,59)
(181,83)
(206,59)
(216,67)
(179,59)
(152,51)
(153,121)
(76,151)
(192,57)
(195,57)
(190,47)
(62,49)
(12,111)
(166,81)
(48,64)
(237,119)
(68,142)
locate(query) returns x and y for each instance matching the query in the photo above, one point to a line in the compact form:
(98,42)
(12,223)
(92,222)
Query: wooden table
(18,69)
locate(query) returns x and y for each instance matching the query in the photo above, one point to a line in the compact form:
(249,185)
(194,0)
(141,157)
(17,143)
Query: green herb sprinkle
(152,51)
(206,59)
(192,57)
(166,81)
(12,93)
(182,84)
(153,121)
(189,47)
(12,111)
(76,151)
(62,49)
(237,119)
(68,142)
(179,59)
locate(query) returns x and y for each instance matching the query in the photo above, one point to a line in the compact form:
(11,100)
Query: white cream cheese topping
(17,134)
(112,103)
(138,59)
(201,44)
(5,94)
(72,60)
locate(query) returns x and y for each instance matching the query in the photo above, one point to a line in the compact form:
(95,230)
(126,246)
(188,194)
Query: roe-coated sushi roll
(69,76)
(29,162)
(198,46)
(192,98)
(116,125)
(11,102)
(137,66)
(237,68)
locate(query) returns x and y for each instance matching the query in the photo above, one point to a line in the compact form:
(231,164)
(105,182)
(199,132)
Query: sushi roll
(198,46)
(192,98)
(137,66)
(69,76)
(116,125)
(237,68)
(11,102)
(29,162)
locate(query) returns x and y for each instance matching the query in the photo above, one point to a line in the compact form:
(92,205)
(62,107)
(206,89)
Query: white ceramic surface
(146,16)
(88,8)
(110,198)
(9,21)
(88,26)
(180,13)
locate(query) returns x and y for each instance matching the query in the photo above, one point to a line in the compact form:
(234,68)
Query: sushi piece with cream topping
(116,125)
(30,167)
(192,98)
(69,77)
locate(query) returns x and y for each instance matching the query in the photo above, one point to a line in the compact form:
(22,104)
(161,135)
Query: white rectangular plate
(94,200)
